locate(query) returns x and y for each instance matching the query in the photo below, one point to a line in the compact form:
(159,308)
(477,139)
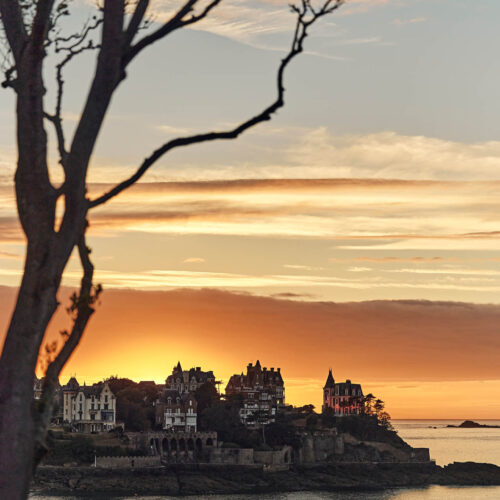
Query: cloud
(173,130)
(301,267)
(417,260)
(414,20)
(268,24)
(362,6)
(242,20)
(194,260)
(10,255)
(342,209)
(430,342)
(393,156)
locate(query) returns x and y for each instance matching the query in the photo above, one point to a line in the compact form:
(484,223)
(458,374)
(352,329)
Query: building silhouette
(344,398)
(262,392)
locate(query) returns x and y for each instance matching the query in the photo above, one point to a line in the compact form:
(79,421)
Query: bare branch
(179,20)
(135,21)
(106,79)
(82,308)
(305,18)
(57,122)
(72,50)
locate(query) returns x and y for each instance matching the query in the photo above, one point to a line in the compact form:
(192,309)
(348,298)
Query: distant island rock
(469,424)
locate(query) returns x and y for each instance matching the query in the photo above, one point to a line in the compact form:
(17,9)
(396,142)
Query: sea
(446,445)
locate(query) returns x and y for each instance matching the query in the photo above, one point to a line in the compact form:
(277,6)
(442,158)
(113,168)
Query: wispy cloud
(414,20)
(194,260)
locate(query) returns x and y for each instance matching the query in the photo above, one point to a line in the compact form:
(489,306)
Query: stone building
(176,409)
(89,408)
(262,391)
(185,381)
(344,398)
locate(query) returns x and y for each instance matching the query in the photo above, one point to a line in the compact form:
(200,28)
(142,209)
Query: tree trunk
(36,304)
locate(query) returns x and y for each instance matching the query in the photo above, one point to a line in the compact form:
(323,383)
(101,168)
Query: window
(105,406)
(106,399)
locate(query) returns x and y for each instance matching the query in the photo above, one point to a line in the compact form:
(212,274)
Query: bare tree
(31,31)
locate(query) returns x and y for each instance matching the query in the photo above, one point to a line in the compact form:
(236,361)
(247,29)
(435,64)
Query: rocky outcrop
(469,424)
(205,479)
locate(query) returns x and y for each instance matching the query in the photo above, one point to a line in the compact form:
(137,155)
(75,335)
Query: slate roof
(330,381)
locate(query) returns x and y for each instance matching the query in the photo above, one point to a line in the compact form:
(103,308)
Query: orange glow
(426,360)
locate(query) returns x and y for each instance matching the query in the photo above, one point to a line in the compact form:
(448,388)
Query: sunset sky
(359,230)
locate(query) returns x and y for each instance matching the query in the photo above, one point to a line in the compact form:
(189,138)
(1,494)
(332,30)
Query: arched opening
(173,445)
(210,442)
(164,445)
(199,445)
(287,457)
(182,445)
(152,446)
(157,445)
(190,444)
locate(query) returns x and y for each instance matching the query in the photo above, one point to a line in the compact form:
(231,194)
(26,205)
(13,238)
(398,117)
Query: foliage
(328,418)
(282,432)
(64,448)
(135,403)
(369,428)
(312,422)
(376,407)
(206,396)
(79,449)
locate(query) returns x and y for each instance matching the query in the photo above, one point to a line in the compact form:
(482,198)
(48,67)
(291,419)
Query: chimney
(198,368)
(272,369)
(249,365)
(279,370)
(265,369)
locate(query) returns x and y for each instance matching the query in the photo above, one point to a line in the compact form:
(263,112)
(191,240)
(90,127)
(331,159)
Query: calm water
(452,445)
(446,445)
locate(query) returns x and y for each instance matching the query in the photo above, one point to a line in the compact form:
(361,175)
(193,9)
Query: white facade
(177,419)
(90,408)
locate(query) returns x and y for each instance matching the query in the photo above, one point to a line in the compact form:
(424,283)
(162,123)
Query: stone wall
(174,443)
(231,456)
(274,457)
(320,446)
(127,462)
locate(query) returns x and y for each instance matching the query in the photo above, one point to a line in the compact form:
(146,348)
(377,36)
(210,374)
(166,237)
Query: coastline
(183,480)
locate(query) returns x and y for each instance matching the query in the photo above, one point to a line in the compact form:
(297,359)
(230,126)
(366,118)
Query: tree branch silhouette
(306,16)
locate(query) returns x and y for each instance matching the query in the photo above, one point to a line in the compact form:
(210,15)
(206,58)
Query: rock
(73,483)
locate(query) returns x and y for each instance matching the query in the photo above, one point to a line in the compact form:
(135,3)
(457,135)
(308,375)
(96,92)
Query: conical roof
(330,381)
